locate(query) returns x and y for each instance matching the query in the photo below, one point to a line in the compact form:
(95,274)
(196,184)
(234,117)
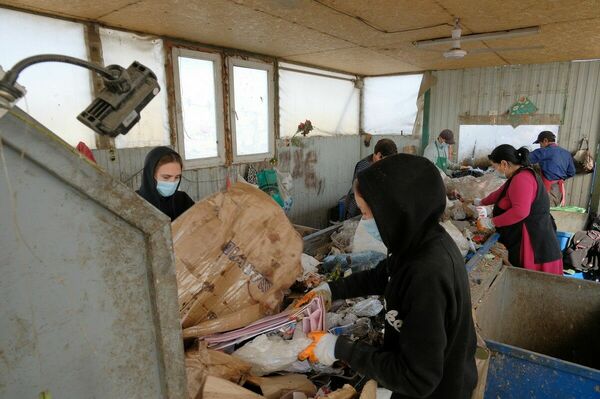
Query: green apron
(442,160)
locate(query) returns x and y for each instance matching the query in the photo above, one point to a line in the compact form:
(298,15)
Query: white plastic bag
(367,308)
(363,241)
(459,239)
(269,354)
(286,186)
(309,264)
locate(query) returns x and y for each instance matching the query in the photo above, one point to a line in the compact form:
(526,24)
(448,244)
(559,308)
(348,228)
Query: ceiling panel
(80,9)
(366,37)
(223,23)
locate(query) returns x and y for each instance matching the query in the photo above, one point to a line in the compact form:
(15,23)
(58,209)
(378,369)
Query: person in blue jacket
(556,164)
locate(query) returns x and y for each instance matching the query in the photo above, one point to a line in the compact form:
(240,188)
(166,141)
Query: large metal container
(88,303)
(544,334)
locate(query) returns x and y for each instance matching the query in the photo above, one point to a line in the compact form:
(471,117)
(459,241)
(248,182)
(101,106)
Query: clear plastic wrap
(475,187)
(342,239)
(369,307)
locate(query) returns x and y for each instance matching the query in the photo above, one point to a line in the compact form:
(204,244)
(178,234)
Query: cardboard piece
(234,250)
(225,323)
(369,390)
(201,363)
(218,388)
(346,392)
(276,387)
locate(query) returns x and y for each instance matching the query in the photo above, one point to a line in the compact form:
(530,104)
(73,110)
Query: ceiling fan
(456,52)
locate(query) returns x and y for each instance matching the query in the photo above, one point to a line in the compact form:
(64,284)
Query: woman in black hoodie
(162,177)
(429,341)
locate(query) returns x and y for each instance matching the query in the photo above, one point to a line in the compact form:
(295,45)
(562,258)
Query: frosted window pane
(56,92)
(198,108)
(251,99)
(391,104)
(477,141)
(123,48)
(332,105)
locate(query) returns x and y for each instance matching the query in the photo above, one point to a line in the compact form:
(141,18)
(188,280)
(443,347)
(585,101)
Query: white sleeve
(430,153)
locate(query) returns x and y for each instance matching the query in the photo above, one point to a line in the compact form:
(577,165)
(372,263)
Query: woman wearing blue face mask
(161,179)
(367,237)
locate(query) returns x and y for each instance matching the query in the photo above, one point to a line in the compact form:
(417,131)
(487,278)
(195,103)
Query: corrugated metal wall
(571,90)
(322,173)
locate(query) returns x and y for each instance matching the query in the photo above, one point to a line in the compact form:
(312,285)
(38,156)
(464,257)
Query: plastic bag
(356,261)
(583,160)
(458,212)
(367,308)
(459,239)
(309,265)
(363,241)
(359,328)
(475,187)
(269,354)
(342,239)
(286,186)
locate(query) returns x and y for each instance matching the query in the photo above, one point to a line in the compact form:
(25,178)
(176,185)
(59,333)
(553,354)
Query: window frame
(270,69)
(217,60)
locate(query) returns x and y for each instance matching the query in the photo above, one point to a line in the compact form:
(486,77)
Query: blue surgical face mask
(371,227)
(499,174)
(166,188)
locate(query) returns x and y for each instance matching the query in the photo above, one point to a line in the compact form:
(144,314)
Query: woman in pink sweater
(522,213)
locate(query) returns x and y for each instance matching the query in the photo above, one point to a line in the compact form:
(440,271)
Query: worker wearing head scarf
(161,180)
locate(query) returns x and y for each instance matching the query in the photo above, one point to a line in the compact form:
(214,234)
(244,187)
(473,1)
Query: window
(56,92)
(122,48)
(302,93)
(251,101)
(478,141)
(199,107)
(391,104)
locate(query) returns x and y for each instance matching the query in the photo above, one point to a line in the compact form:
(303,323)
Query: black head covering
(148,188)
(407,197)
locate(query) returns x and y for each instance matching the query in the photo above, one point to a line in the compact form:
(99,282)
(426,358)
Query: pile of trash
(240,272)
(460,218)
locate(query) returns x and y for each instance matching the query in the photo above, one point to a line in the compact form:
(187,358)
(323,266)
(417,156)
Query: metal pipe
(501,34)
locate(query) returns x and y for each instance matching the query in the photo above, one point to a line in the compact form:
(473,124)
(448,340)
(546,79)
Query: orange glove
(322,290)
(309,351)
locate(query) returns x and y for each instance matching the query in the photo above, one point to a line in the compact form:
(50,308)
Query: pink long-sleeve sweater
(517,204)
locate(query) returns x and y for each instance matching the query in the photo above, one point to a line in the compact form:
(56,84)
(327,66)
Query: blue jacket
(556,162)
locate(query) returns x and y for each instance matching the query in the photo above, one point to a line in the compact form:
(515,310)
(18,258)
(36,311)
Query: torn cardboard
(233,251)
(201,363)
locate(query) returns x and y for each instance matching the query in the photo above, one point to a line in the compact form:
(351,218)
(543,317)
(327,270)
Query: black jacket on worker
(172,206)
(429,342)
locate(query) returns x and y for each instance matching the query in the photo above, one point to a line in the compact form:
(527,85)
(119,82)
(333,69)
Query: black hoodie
(429,341)
(172,206)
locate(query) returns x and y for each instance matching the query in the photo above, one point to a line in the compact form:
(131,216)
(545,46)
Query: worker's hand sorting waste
(321,350)
(485,224)
(321,290)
